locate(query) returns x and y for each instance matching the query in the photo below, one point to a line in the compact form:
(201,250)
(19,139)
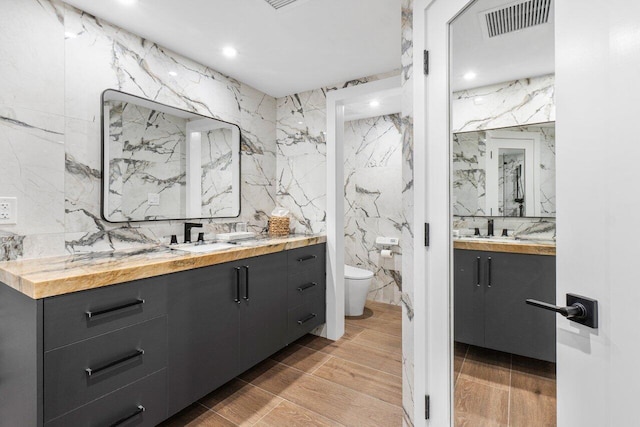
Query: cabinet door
(510,324)
(468,297)
(263,317)
(203,333)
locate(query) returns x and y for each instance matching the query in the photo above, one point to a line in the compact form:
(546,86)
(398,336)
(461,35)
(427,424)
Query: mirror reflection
(506,172)
(161,162)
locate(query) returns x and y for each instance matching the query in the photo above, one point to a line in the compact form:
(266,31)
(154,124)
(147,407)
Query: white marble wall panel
(72,58)
(407,209)
(301,165)
(513,103)
(373,200)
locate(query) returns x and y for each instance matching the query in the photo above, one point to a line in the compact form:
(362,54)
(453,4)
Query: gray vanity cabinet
(136,353)
(203,333)
(489,303)
(223,320)
(263,308)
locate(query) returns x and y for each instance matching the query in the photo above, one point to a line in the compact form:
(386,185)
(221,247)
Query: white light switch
(8,210)
(153,199)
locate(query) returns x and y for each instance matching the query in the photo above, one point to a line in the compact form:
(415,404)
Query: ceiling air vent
(515,17)
(279,4)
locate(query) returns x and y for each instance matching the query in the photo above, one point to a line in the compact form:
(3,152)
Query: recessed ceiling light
(470,75)
(300,123)
(375,103)
(478,100)
(173,73)
(70,35)
(229,52)
(128,2)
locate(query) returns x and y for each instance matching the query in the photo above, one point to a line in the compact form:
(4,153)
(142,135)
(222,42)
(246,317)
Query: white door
(597,91)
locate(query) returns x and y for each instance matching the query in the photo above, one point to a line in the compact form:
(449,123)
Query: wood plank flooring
(500,389)
(317,382)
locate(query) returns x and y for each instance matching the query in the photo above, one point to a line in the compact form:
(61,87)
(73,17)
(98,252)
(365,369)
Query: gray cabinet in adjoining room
(490,290)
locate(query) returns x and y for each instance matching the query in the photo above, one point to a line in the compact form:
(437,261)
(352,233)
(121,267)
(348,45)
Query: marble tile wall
(515,103)
(50,126)
(407,209)
(373,200)
(507,104)
(302,155)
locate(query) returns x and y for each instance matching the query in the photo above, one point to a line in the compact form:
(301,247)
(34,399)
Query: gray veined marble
(373,200)
(50,131)
(407,209)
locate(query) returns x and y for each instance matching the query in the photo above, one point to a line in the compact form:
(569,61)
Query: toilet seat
(355,273)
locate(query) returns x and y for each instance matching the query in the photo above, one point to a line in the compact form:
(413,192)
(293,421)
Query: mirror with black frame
(164,163)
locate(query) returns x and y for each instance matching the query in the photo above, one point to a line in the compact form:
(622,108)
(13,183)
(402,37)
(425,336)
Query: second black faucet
(187,230)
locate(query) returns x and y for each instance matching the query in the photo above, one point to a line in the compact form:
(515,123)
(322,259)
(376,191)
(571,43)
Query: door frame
(336,102)
(433,265)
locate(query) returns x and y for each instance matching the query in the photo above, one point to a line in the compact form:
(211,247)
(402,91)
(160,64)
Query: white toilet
(356,288)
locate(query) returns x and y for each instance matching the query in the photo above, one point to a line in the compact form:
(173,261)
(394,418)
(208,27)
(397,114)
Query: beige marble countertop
(531,247)
(47,277)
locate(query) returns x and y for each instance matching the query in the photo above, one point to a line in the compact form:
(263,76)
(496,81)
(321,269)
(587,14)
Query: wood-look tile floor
(500,389)
(355,381)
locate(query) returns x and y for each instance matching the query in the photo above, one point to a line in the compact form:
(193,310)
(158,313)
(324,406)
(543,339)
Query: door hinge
(426,62)
(426,408)
(426,234)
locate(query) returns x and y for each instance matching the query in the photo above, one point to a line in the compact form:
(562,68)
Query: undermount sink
(202,248)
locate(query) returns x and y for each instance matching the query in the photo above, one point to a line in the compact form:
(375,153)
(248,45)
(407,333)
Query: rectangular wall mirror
(161,162)
(506,172)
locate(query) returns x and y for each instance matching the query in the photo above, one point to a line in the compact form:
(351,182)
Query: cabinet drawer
(74,317)
(124,406)
(304,287)
(301,320)
(81,372)
(309,258)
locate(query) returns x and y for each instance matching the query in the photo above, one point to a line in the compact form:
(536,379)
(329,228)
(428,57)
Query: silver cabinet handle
(306,319)
(307,286)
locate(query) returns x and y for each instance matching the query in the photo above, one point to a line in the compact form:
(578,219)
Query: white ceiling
(311,44)
(526,53)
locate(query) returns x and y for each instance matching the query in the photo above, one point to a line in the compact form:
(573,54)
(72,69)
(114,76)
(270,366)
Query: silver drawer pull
(307,286)
(306,319)
(92,314)
(307,258)
(121,421)
(115,363)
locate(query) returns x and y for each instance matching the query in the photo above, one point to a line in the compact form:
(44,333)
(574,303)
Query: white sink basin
(207,247)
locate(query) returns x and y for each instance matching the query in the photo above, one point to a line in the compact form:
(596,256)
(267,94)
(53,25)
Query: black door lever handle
(579,309)
(576,310)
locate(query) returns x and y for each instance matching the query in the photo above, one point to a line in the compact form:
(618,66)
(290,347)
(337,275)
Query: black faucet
(187,230)
(490,227)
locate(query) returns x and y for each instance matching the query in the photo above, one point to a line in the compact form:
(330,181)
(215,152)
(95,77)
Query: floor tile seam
(315,412)
(376,348)
(389,353)
(485,383)
(321,365)
(383,333)
(365,366)
(268,412)
(245,383)
(217,413)
(340,385)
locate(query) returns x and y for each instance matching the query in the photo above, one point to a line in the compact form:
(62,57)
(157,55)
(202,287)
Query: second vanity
(133,337)
(492,280)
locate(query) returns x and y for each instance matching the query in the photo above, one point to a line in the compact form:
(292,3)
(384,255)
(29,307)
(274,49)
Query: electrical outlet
(8,210)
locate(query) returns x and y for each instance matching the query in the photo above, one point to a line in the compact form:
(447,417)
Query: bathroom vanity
(492,280)
(132,337)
